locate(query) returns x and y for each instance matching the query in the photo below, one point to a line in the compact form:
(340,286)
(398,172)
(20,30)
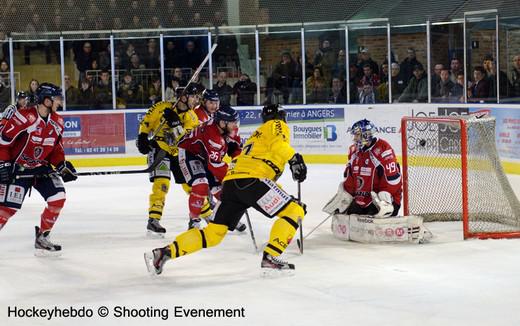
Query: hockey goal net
(451,171)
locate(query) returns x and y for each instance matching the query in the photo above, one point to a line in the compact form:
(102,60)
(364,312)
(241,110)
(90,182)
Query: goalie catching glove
(67,171)
(339,203)
(383,201)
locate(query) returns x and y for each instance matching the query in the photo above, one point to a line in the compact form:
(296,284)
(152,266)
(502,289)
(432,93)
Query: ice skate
(273,266)
(156,259)
(154,229)
(43,246)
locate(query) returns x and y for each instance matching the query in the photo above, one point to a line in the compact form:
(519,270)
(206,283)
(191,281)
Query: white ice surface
(102,230)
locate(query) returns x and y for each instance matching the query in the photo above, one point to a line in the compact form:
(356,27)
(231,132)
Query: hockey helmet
(47,90)
(362,132)
(21,95)
(273,111)
(191,90)
(227,113)
(210,95)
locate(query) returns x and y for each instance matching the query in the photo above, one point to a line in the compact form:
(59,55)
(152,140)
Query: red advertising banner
(94,134)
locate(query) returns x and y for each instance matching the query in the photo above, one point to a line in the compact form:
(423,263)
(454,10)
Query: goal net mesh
(435,174)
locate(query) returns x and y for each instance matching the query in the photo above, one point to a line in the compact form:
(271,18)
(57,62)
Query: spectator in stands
(384,72)
(398,86)
(192,56)
(135,23)
(367,94)
(325,58)
(103,92)
(364,59)
(369,77)
(129,91)
(151,59)
(417,88)
(491,73)
(223,89)
(31,92)
(455,69)
(72,10)
(135,62)
(86,94)
(408,65)
(196,20)
(177,73)
(154,91)
(176,21)
(155,23)
(169,92)
(4,67)
(84,59)
(5,93)
(134,9)
(479,89)
(282,78)
(457,92)
(436,78)
(339,68)
(337,92)
(443,89)
(515,77)
(316,87)
(172,55)
(71,92)
(355,77)
(104,59)
(245,90)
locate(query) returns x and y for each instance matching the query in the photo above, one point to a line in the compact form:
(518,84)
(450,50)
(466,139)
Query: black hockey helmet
(21,95)
(227,113)
(47,90)
(210,95)
(273,111)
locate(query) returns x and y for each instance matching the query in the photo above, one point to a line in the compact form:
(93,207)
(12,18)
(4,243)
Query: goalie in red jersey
(30,146)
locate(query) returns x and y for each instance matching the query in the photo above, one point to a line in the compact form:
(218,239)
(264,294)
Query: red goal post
(451,171)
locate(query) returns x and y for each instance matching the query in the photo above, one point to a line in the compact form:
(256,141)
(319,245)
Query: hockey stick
(317,226)
(248,220)
(299,241)
(193,77)
(160,156)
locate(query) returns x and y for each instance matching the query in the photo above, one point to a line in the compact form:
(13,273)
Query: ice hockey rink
(102,230)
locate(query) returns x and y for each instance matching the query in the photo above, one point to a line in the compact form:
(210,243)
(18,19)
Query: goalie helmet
(273,111)
(362,132)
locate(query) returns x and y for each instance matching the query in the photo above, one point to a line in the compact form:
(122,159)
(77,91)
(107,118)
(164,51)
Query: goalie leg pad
(341,226)
(340,202)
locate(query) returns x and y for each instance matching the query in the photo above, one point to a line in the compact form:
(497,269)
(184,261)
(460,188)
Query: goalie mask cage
(452,171)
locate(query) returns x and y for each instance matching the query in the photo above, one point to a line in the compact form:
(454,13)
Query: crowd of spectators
(369,81)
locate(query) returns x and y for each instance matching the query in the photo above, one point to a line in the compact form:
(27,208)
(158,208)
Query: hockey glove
(67,171)
(143,143)
(6,172)
(383,202)
(339,203)
(298,168)
(172,118)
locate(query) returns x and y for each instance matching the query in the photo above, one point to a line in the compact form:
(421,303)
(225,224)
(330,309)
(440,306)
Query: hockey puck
(422,142)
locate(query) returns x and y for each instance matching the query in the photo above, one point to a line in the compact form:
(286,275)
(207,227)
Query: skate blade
(154,235)
(148,260)
(276,273)
(46,253)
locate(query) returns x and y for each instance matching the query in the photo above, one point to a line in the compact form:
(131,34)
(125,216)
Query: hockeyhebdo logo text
(327,132)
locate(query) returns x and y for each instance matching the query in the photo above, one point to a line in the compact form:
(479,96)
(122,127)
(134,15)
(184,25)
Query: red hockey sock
(50,214)
(5,215)
(198,193)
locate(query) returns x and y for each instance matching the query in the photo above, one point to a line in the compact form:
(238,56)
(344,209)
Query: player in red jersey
(210,104)
(201,156)
(30,145)
(372,184)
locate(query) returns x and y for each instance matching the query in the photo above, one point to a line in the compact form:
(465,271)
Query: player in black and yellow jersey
(250,182)
(179,120)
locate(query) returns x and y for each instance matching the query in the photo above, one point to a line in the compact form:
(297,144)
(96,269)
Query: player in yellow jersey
(179,120)
(250,182)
